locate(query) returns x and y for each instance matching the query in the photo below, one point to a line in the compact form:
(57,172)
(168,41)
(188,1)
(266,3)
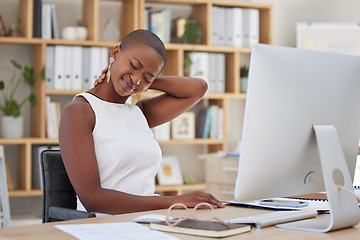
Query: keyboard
(273,218)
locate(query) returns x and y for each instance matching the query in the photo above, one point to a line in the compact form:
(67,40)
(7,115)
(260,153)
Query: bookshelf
(133,12)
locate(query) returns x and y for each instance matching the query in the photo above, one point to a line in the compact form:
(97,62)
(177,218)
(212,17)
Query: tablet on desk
(284,203)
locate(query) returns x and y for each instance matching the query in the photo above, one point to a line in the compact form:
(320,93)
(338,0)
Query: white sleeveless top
(127,154)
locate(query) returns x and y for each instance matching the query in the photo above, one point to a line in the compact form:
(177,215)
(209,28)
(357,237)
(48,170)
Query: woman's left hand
(102,77)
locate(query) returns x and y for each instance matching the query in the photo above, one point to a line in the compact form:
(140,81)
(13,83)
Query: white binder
(76,68)
(59,67)
(49,67)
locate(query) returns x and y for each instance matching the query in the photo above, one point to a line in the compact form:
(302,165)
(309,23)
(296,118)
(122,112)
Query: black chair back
(59,196)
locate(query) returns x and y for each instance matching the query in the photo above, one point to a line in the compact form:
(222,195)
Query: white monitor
(289,91)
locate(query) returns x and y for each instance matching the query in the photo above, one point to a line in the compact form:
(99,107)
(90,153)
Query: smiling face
(134,69)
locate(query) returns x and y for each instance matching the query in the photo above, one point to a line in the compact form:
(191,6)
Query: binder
(68,67)
(207,123)
(85,68)
(214,122)
(220,73)
(200,123)
(54,23)
(220,123)
(37,16)
(94,66)
(104,59)
(238,27)
(59,78)
(46,21)
(167,25)
(228,26)
(221,24)
(215,26)
(49,67)
(213,69)
(253,27)
(246,38)
(159,22)
(76,68)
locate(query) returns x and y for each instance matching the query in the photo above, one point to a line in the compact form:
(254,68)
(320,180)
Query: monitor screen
(289,91)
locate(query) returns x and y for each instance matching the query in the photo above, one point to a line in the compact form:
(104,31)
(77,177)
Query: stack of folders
(233,26)
(74,67)
(211,68)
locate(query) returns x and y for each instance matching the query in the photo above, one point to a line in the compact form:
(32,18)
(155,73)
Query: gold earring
(134,99)
(108,74)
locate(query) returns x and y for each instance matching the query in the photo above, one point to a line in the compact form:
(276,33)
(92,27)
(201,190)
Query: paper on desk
(112,231)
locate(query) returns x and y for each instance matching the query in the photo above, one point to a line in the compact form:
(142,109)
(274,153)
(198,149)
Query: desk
(48,231)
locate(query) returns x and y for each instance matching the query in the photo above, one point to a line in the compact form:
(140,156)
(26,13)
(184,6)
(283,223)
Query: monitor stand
(344,209)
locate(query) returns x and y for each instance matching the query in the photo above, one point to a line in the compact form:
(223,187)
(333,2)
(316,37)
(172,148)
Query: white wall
(286,13)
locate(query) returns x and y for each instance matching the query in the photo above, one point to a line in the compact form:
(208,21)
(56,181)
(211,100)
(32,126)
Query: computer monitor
(289,91)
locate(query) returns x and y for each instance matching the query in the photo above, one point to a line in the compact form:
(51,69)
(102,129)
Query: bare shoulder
(78,110)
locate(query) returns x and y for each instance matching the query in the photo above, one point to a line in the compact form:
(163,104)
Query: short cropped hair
(142,36)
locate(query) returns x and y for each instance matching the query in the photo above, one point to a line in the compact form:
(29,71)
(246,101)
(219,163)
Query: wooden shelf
(180,189)
(21,40)
(63,92)
(19,141)
(24,193)
(199,141)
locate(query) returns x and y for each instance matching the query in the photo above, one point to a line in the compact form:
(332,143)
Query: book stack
(210,123)
(74,67)
(210,67)
(235,27)
(53,113)
(158,22)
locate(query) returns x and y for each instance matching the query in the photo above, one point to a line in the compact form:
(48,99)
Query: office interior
(286,14)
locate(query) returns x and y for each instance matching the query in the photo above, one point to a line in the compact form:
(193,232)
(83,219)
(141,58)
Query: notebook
(203,228)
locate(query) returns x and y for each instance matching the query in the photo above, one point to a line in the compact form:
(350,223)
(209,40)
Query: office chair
(59,196)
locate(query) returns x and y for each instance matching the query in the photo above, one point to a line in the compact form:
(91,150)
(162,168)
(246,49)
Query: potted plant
(12,121)
(15,29)
(192,33)
(244,73)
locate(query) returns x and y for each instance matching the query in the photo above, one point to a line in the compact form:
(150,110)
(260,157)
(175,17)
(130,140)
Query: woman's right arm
(78,153)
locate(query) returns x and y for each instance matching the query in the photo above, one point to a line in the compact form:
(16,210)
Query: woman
(107,145)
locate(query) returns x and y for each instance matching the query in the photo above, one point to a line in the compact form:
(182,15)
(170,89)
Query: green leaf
(12,108)
(2,85)
(32,99)
(42,74)
(16,112)
(28,75)
(15,64)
